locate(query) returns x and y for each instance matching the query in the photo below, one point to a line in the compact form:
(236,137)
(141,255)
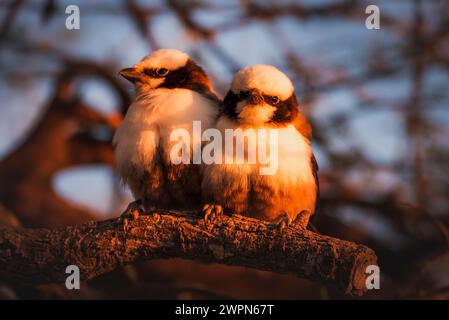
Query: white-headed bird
(172,92)
(262,97)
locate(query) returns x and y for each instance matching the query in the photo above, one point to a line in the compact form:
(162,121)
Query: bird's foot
(132,212)
(302,219)
(212,211)
(283,221)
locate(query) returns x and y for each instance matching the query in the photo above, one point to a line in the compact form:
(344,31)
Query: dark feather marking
(192,77)
(315,168)
(286,111)
(230,104)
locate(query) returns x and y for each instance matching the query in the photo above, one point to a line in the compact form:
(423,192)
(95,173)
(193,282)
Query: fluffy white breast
(152,117)
(267,79)
(293,155)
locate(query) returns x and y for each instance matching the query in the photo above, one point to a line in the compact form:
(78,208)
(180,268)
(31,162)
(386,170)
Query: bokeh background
(378,101)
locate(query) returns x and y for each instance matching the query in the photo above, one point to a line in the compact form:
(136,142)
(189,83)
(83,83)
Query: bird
(262,97)
(172,92)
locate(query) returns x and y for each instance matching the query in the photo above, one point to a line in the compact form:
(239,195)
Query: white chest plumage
(151,118)
(293,156)
(241,188)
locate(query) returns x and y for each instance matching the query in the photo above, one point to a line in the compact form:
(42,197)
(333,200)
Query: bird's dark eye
(243,95)
(274,100)
(162,72)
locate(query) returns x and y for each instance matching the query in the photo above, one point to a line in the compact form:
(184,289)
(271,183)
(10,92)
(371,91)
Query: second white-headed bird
(262,97)
(172,92)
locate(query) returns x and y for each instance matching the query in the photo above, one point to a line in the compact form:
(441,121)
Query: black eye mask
(286,110)
(156,72)
(230,104)
(191,76)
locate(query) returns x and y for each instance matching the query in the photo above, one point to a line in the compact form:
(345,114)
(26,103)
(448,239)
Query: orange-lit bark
(41,255)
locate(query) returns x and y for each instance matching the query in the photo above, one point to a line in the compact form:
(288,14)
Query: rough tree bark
(34,256)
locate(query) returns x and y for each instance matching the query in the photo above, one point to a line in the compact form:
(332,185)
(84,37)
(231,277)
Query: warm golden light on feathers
(142,144)
(240,188)
(268,79)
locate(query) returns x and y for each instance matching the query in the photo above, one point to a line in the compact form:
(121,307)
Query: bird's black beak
(131,74)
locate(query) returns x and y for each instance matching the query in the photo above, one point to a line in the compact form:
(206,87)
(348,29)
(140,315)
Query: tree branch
(34,256)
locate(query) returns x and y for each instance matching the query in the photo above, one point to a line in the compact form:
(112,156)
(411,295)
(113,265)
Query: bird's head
(260,95)
(166,68)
